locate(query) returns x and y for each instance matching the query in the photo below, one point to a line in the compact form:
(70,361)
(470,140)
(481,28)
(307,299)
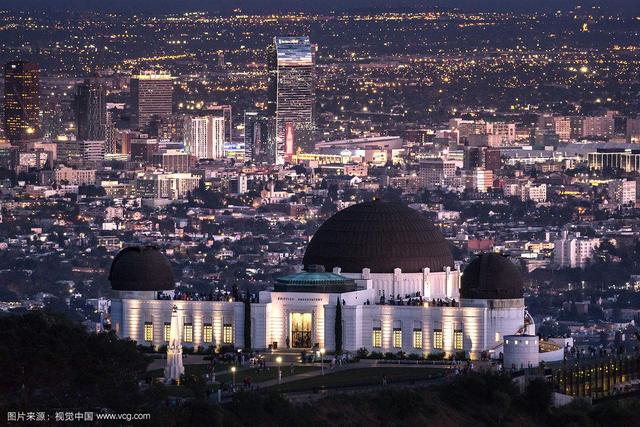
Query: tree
(338,327)
(247,322)
(48,361)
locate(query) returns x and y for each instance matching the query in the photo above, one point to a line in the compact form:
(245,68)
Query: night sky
(150,6)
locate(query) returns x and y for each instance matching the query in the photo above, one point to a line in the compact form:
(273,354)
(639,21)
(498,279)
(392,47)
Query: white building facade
(415,312)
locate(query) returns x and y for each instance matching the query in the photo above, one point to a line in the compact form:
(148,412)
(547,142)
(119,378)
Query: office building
(292,94)
(151,96)
(258,141)
(21,101)
(437,172)
(614,159)
(91,111)
(174,161)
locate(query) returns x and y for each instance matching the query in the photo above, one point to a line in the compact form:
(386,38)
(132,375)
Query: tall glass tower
(21,100)
(291,93)
(258,141)
(91,111)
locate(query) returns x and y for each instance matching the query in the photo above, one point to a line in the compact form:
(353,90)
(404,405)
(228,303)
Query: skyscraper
(258,141)
(21,100)
(91,111)
(225,112)
(292,92)
(204,137)
(151,95)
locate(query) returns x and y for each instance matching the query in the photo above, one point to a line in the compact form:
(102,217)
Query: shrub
(362,353)
(227,348)
(435,356)
(461,355)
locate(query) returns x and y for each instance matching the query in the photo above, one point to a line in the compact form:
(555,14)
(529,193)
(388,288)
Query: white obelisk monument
(174,367)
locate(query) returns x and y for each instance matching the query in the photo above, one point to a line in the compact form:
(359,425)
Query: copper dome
(380,236)
(141,268)
(491,276)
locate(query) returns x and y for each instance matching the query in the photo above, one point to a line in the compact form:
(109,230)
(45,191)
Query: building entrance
(301,330)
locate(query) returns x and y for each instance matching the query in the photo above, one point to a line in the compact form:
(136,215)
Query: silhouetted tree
(338,327)
(247,322)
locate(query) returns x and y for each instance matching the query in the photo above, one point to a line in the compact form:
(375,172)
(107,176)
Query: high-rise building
(225,112)
(216,137)
(151,95)
(204,137)
(21,100)
(258,143)
(195,137)
(292,93)
(110,134)
(91,111)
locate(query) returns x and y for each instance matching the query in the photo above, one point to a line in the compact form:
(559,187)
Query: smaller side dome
(491,276)
(141,268)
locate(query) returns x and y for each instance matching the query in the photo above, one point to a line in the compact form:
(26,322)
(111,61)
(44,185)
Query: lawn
(189,370)
(270,373)
(361,377)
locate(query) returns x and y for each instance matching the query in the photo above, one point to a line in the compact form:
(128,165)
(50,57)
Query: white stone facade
(472,326)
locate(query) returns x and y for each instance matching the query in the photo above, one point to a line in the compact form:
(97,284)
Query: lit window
(208,332)
(397,338)
(417,338)
(148,331)
(377,337)
(227,334)
(515,342)
(167,332)
(188,332)
(457,339)
(438,339)
(498,336)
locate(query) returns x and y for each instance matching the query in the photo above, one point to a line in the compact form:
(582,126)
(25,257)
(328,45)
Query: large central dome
(380,236)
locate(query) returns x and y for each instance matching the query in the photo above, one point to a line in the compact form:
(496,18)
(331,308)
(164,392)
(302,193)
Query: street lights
(279,362)
(233,372)
(322,351)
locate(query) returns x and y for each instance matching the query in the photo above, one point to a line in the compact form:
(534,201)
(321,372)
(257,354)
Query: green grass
(267,374)
(270,373)
(360,377)
(188,369)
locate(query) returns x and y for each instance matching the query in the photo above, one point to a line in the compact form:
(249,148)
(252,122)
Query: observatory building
(388,268)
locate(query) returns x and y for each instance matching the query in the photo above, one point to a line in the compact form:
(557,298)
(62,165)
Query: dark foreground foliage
(50,363)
